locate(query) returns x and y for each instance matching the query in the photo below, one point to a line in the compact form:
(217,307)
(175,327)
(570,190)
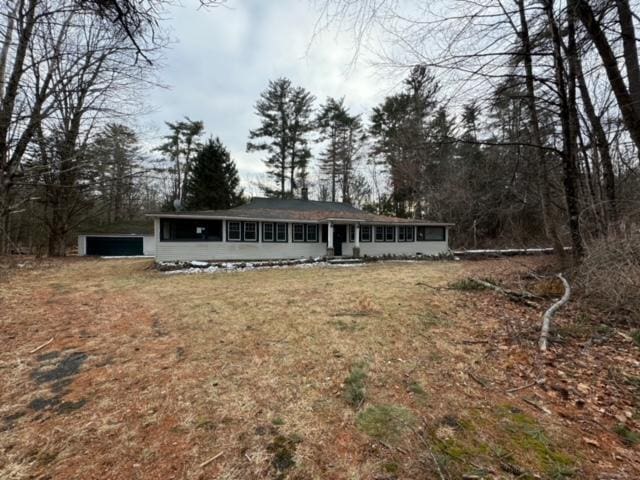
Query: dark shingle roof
(295,210)
(297,205)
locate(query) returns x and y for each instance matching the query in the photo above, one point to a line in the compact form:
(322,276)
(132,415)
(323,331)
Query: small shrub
(354,385)
(415,388)
(609,277)
(636,337)
(628,436)
(350,327)
(283,449)
(385,422)
(470,284)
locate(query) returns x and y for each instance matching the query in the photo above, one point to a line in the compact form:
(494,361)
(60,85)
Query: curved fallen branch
(519,297)
(548,315)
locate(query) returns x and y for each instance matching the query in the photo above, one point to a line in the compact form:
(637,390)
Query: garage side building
(116,244)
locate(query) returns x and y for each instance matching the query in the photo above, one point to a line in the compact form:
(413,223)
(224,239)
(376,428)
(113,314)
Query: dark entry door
(114,246)
(339,236)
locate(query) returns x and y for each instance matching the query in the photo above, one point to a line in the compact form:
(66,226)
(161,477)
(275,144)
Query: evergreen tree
(178,150)
(213,182)
(343,136)
(402,138)
(285,115)
(117,161)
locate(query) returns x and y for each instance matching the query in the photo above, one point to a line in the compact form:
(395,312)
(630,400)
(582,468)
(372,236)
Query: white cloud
(225,57)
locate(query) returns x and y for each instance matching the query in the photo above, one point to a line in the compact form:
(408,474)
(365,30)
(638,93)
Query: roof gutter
(281,220)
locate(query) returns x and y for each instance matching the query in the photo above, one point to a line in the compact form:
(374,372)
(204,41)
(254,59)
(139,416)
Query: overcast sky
(224,57)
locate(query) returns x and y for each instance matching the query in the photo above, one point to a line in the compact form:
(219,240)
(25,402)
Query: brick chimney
(304,191)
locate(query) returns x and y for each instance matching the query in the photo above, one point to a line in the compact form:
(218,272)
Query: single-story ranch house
(269,228)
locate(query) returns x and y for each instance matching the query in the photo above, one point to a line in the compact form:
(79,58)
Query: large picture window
(431,234)
(190,230)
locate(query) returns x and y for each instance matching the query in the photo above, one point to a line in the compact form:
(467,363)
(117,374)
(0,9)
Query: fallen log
(520,297)
(548,315)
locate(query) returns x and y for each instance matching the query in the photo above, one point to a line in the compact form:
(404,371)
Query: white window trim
(255,232)
(229,223)
(364,228)
(286,233)
(313,227)
(293,232)
(264,232)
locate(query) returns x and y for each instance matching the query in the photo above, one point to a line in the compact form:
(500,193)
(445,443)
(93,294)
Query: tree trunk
(548,219)
(625,101)
(630,52)
(568,119)
(602,145)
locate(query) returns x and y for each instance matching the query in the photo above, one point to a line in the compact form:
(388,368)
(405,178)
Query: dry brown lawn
(371,372)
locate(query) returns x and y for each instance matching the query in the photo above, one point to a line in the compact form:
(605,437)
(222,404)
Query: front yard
(379,371)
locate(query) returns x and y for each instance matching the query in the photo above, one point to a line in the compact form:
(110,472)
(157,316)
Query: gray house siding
(224,250)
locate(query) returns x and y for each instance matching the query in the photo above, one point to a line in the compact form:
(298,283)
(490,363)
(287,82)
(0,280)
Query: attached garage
(116,245)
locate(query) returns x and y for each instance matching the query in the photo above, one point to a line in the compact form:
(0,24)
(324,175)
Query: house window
(281,232)
(234,231)
(312,233)
(365,233)
(405,234)
(431,234)
(268,235)
(379,233)
(389,235)
(409,234)
(298,232)
(190,230)
(250,230)
(352,233)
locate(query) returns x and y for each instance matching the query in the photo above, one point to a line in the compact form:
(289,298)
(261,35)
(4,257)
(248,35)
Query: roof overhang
(338,220)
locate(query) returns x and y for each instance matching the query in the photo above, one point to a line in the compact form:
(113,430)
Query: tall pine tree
(285,115)
(343,136)
(213,182)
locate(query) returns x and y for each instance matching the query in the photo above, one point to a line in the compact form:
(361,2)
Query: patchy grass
(150,375)
(470,284)
(354,385)
(386,422)
(467,285)
(628,436)
(505,436)
(415,388)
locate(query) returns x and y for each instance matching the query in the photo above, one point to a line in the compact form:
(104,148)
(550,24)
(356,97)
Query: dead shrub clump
(609,277)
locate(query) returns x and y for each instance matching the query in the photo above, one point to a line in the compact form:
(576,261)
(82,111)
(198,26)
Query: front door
(339,236)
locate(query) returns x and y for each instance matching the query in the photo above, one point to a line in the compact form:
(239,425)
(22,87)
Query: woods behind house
(519,121)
